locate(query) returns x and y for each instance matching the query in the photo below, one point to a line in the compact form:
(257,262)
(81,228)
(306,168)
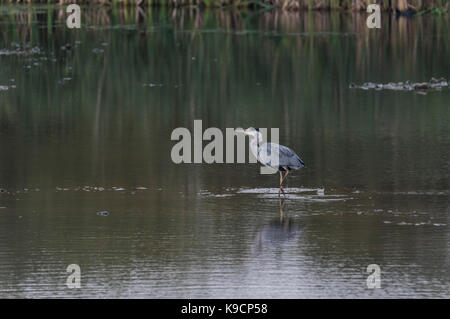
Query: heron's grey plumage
(287,158)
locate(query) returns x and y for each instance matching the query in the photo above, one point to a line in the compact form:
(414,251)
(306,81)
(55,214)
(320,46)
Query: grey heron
(287,159)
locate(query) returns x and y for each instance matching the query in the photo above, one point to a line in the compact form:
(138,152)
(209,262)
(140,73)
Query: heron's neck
(254,145)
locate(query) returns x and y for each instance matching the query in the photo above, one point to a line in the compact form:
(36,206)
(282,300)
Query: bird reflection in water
(279,232)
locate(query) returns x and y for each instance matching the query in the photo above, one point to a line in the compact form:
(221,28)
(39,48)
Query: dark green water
(86,128)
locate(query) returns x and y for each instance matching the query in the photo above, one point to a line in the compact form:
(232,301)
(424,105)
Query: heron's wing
(268,152)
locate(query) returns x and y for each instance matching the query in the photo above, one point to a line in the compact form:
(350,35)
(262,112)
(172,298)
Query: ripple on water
(296,193)
(275,190)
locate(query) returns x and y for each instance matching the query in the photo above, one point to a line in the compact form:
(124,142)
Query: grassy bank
(437,6)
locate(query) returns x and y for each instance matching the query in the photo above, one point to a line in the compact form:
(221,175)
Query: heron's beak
(240,131)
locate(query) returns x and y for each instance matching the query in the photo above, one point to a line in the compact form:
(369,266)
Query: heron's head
(252,131)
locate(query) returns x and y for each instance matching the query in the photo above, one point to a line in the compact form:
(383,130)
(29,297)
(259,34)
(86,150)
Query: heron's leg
(284,177)
(281,185)
(281,209)
(281,178)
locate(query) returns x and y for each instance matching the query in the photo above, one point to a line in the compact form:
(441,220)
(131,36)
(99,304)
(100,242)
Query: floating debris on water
(91,188)
(67,47)
(403,223)
(420,224)
(151,85)
(64,80)
(7,87)
(19,51)
(422,87)
(97,51)
(103,213)
(62,188)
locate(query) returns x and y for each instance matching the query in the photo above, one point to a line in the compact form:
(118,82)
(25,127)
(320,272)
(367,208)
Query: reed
(437,6)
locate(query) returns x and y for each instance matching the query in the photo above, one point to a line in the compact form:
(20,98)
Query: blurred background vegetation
(436,6)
